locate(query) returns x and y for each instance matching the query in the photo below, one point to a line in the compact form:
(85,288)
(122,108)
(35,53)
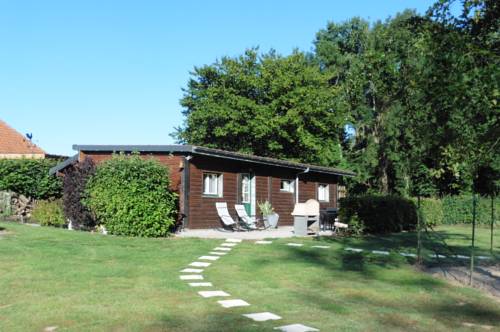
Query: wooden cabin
(203,176)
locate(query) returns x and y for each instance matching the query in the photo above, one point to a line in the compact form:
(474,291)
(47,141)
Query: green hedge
(30,177)
(451,210)
(130,196)
(378,214)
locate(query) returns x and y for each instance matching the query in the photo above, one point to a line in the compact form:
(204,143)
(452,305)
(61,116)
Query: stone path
(190,274)
(219,252)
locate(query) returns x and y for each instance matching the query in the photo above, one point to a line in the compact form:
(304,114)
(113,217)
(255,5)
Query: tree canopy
(417,93)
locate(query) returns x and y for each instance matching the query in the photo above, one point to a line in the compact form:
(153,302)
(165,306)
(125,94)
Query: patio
(271,233)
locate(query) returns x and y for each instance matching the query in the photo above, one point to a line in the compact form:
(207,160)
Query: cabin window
(287,186)
(212,184)
(323,193)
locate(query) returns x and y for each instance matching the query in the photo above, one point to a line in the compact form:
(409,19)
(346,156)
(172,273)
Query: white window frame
(212,184)
(323,192)
(288,188)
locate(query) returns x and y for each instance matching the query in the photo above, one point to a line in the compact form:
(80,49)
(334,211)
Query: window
(212,184)
(287,186)
(323,193)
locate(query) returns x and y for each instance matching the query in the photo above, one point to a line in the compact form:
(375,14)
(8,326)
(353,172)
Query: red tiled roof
(13,142)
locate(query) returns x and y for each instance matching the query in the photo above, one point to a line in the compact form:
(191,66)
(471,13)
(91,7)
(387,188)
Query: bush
(432,211)
(458,209)
(378,214)
(30,177)
(74,182)
(130,196)
(49,213)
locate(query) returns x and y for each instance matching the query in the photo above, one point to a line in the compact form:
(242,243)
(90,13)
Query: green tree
(371,65)
(268,105)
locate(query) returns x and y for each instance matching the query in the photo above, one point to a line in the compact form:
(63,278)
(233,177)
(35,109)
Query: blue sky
(111,72)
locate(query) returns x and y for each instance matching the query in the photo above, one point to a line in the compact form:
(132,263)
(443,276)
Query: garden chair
(225,217)
(337,226)
(248,222)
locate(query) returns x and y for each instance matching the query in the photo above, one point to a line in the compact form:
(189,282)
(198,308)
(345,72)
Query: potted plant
(270,217)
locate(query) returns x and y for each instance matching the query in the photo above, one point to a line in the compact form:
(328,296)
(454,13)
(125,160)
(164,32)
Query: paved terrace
(271,233)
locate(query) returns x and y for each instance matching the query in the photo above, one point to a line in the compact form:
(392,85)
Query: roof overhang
(198,150)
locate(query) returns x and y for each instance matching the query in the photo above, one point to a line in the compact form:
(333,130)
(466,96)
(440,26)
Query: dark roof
(198,150)
(64,164)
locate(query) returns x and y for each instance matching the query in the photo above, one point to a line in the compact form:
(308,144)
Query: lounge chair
(247,222)
(225,217)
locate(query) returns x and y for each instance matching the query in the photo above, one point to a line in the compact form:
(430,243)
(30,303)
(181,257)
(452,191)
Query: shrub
(30,177)
(458,209)
(49,213)
(74,182)
(130,196)
(378,214)
(431,211)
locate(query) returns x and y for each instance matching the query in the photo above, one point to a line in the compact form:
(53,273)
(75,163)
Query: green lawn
(80,281)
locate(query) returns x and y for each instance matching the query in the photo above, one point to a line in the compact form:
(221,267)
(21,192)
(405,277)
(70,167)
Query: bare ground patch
(486,277)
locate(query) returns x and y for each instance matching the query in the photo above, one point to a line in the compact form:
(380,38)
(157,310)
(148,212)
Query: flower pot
(272,220)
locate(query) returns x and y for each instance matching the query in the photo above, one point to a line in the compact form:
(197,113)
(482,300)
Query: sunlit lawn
(80,281)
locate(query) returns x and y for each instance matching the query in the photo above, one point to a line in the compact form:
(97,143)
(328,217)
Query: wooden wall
(201,211)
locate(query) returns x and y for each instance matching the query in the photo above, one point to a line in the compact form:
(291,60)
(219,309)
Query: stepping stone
(296,328)
(440,256)
(462,257)
(321,247)
(407,254)
(222,248)
(233,240)
(233,303)
(213,293)
(262,316)
(353,249)
(380,252)
(217,253)
(294,244)
(209,258)
(200,264)
(228,244)
(263,242)
(191,277)
(192,271)
(200,284)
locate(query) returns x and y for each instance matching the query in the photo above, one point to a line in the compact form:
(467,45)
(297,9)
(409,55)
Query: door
(246,192)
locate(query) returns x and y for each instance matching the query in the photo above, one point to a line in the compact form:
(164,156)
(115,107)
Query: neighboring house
(14,145)
(203,176)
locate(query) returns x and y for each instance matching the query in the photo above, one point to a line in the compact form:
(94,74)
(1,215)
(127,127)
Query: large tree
(269,105)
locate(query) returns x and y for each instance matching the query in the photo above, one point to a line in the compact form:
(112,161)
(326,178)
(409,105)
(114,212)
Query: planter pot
(272,220)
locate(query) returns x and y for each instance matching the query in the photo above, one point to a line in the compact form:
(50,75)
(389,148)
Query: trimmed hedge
(379,214)
(30,177)
(130,196)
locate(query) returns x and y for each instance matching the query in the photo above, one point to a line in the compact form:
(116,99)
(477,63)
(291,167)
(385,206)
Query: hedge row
(30,177)
(451,210)
(378,214)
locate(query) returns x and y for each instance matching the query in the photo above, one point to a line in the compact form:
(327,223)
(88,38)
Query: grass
(80,281)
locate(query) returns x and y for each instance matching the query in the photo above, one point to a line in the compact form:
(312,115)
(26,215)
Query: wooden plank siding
(201,212)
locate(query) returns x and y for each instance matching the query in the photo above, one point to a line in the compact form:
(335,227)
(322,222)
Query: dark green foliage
(49,213)
(30,177)
(74,183)
(379,214)
(268,105)
(130,196)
